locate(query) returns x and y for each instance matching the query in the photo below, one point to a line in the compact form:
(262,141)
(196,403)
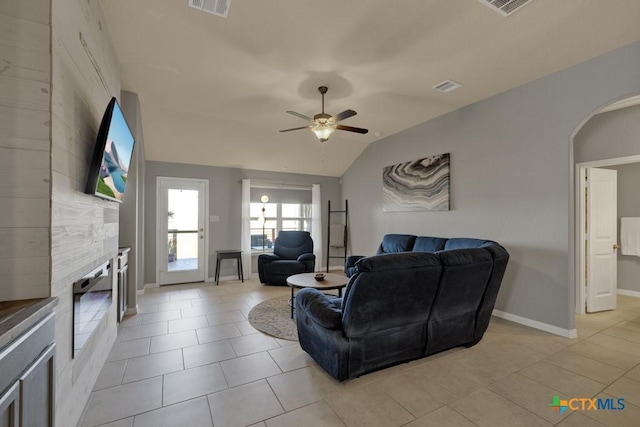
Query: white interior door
(182,236)
(602,204)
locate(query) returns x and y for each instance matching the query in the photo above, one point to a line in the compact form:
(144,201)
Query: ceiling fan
(323,125)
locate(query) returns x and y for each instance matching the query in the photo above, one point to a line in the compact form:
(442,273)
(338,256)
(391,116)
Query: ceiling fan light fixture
(323,131)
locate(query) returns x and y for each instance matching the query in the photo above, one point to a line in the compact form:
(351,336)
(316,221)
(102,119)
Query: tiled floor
(190,358)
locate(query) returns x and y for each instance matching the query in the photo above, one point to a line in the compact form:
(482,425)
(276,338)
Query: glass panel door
(181,233)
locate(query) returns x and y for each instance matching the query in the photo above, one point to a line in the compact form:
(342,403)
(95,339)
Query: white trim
(145,287)
(634,294)
(223,278)
(567,333)
(131,310)
(610,162)
(205,221)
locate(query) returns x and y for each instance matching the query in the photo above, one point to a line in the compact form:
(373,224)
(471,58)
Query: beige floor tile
(128,321)
(146,308)
(456,377)
(175,305)
(416,393)
(204,354)
(528,394)
(317,414)
(153,365)
(127,349)
(602,354)
(185,295)
(150,297)
(626,388)
(291,357)
(217,333)
(367,406)
(255,343)
(123,401)
(190,383)
(561,379)
(225,317)
(168,342)
(615,343)
(250,368)
(161,316)
(578,419)
(634,373)
(628,417)
(590,368)
(444,416)
(245,327)
(301,387)
(244,405)
(143,331)
(193,413)
(623,332)
(111,375)
(188,324)
(126,422)
(486,408)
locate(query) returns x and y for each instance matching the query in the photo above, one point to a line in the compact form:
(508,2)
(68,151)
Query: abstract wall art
(419,185)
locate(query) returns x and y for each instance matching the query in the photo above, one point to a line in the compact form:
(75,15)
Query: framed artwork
(419,185)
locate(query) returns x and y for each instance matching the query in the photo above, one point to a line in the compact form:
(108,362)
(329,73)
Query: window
(277,216)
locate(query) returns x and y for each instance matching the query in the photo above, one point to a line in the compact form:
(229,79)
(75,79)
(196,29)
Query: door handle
(616,246)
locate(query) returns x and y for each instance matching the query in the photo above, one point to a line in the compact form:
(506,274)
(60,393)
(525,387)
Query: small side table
(229,254)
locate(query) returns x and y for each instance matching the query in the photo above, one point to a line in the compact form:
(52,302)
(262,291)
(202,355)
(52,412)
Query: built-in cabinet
(28,373)
(123,281)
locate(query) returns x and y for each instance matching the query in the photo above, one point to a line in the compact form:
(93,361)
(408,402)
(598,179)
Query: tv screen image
(112,155)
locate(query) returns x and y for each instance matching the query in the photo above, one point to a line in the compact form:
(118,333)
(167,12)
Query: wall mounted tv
(111,156)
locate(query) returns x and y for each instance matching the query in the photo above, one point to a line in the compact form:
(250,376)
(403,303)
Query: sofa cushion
(464,243)
(284,267)
(429,244)
(394,243)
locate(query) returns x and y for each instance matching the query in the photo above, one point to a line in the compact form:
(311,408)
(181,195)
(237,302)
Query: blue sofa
(403,306)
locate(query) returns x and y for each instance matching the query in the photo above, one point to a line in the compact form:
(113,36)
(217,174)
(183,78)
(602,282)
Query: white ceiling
(214,91)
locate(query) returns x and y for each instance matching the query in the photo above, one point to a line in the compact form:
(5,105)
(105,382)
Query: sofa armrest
(307,257)
(264,258)
(352,259)
(314,305)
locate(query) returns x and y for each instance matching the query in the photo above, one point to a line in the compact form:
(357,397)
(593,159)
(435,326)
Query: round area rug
(273,317)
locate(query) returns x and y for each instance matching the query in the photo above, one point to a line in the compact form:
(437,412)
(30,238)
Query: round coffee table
(307,280)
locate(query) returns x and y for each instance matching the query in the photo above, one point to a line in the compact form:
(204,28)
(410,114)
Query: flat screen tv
(111,156)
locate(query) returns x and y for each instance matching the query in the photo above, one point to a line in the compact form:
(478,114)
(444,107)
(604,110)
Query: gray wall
(131,210)
(510,179)
(225,193)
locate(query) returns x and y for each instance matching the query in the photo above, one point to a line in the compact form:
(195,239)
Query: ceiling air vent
(504,7)
(214,7)
(447,86)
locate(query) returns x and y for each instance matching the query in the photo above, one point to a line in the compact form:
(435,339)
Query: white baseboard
(223,278)
(629,293)
(131,310)
(146,286)
(567,333)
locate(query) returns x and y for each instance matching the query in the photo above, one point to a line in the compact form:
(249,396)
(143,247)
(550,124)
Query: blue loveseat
(403,306)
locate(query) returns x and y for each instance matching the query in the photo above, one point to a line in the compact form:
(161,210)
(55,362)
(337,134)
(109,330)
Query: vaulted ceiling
(214,90)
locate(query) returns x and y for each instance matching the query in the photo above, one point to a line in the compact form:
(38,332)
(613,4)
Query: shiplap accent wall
(25,93)
(84,229)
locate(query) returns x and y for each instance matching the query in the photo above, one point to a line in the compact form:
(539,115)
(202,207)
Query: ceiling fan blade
(344,115)
(302,116)
(352,129)
(289,130)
